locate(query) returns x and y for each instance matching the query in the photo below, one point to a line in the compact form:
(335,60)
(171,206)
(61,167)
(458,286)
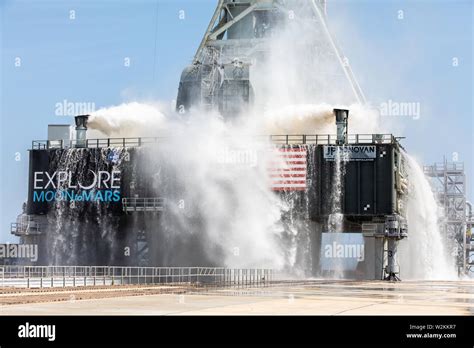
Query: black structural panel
(39,162)
(366,184)
(367,188)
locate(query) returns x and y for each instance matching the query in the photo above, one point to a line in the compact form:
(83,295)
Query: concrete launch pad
(318,297)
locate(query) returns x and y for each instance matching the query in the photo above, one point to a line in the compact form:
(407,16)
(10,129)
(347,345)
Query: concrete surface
(321,297)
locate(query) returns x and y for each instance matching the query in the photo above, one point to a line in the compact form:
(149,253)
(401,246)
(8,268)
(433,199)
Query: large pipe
(81,130)
(342,117)
(392,272)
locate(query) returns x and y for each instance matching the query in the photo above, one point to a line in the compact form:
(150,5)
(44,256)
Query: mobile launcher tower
(88,201)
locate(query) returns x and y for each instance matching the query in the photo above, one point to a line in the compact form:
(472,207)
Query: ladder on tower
(210,80)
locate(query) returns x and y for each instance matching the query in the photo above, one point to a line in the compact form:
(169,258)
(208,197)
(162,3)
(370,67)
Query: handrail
(438,167)
(63,276)
(26,225)
(284,139)
(142,204)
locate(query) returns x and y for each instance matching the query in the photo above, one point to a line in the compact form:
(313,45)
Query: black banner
(257,330)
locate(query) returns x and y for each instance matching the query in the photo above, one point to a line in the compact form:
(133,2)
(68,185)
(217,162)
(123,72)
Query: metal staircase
(210,79)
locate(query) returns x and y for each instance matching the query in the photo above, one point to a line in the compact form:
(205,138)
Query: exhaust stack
(342,117)
(81,130)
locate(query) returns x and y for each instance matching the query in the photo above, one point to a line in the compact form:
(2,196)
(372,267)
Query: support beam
(226,26)
(344,65)
(208,31)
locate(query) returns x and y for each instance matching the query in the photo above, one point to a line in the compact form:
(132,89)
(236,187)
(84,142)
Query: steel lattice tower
(449,184)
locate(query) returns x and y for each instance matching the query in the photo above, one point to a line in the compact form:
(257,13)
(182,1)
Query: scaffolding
(449,185)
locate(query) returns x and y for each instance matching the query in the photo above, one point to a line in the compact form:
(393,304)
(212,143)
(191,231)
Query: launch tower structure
(238,41)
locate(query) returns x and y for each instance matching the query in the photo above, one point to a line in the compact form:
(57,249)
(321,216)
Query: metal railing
(142,204)
(25,225)
(288,139)
(328,139)
(441,167)
(95,143)
(67,276)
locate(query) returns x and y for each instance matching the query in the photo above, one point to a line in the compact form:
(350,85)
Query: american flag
(289,172)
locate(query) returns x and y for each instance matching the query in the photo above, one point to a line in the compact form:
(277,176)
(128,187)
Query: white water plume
(296,88)
(318,119)
(127,120)
(241,214)
(223,182)
(336,218)
(424,255)
(222,176)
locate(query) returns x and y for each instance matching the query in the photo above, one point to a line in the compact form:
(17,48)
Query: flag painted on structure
(289,170)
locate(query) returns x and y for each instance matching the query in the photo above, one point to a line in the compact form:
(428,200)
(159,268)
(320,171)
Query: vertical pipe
(81,130)
(375,186)
(392,256)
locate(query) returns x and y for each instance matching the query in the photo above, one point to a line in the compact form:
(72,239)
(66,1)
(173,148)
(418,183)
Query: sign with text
(350,152)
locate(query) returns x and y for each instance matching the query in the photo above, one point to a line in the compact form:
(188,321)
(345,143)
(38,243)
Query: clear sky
(402,50)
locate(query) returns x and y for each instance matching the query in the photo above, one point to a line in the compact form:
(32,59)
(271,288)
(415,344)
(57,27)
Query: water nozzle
(342,117)
(81,130)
